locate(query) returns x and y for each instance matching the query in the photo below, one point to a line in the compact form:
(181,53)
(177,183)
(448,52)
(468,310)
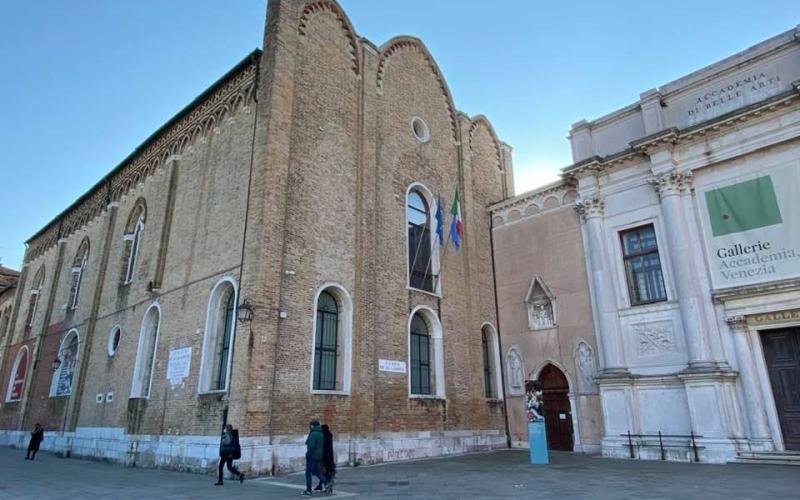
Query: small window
(420,130)
(643,265)
(113,340)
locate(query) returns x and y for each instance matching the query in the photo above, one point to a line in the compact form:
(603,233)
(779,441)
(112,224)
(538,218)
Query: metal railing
(642,441)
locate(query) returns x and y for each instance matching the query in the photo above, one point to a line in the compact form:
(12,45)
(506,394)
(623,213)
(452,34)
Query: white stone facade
(690,360)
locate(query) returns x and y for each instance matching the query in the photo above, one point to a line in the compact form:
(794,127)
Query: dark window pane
(326,342)
(642,265)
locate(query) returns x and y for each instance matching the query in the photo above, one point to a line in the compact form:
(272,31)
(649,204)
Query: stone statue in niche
(514,361)
(533,400)
(587,370)
(540,303)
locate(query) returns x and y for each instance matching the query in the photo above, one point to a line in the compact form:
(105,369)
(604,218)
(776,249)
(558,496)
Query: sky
(84,82)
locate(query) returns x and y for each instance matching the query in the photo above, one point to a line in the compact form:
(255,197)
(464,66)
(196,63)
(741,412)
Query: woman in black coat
(328,460)
(37,436)
(229,450)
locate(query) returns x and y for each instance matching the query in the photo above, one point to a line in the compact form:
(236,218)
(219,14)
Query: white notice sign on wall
(178,367)
(391,365)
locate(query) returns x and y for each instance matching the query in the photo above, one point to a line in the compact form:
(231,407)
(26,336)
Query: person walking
(229,450)
(328,459)
(37,436)
(314,444)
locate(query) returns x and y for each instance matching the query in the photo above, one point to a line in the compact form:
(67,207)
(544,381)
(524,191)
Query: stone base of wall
(709,450)
(584,449)
(260,457)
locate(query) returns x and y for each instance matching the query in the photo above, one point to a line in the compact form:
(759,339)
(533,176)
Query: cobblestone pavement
(502,474)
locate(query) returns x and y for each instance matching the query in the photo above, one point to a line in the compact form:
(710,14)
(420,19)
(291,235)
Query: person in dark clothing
(314,445)
(229,450)
(37,436)
(328,460)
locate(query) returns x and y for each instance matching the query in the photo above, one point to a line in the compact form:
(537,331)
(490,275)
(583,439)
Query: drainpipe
(499,342)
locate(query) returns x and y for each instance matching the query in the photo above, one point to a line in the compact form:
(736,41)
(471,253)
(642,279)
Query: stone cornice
(787,285)
(220,101)
(640,148)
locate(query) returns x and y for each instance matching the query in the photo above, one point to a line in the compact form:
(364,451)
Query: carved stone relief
(515,370)
(540,305)
(587,369)
(655,338)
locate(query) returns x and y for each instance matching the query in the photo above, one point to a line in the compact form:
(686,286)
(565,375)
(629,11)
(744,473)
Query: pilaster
(603,297)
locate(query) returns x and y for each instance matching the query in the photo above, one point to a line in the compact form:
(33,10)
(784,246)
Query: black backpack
(237,449)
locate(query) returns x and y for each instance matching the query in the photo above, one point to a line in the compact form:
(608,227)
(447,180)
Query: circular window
(113,340)
(420,129)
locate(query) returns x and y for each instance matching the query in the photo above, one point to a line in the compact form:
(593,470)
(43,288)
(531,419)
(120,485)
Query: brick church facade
(267,257)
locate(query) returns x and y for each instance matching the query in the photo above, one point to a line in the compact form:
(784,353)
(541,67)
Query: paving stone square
(496,475)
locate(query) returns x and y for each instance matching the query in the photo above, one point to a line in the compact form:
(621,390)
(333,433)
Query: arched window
(426,356)
(78,266)
(218,340)
(420,356)
(133,239)
(33,300)
(61,384)
(492,383)
(16,382)
(423,246)
(114,337)
(146,353)
(332,340)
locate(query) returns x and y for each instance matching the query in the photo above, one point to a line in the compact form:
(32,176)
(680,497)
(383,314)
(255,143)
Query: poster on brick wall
(178,365)
(751,227)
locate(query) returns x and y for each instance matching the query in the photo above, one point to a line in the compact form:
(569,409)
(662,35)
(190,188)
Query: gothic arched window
(78,266)
(133,239)
(218,340)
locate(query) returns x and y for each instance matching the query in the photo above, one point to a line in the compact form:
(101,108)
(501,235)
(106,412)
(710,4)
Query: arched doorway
(557,411)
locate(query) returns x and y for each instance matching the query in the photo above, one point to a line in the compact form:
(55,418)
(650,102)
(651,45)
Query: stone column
(604,298)
(669,188)
(754,402)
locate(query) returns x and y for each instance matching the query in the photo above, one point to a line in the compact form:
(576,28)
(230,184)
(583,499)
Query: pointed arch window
(78,267)
(420,356)
(33,300)
(63,376)
(16,382)
(218,339)
(423,249)
(134,230)
(146,353)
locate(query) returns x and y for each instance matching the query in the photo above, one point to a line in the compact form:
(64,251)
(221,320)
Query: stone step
(794,463)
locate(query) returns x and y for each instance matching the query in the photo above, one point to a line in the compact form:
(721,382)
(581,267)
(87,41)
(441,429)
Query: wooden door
(557,411)
(782,353)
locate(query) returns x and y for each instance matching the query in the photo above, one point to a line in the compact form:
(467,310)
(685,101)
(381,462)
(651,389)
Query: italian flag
(456,223)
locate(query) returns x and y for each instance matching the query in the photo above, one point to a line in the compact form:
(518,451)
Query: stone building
(546,316)
(269,256)
(690,224)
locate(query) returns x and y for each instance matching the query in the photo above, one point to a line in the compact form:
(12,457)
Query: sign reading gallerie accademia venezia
(752,227)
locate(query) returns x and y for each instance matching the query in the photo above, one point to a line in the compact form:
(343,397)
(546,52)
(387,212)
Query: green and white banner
(752,227)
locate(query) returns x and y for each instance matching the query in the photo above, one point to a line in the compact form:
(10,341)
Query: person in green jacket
(314,443)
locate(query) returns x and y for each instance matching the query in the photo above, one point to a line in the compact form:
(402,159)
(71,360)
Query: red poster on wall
(18,382)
